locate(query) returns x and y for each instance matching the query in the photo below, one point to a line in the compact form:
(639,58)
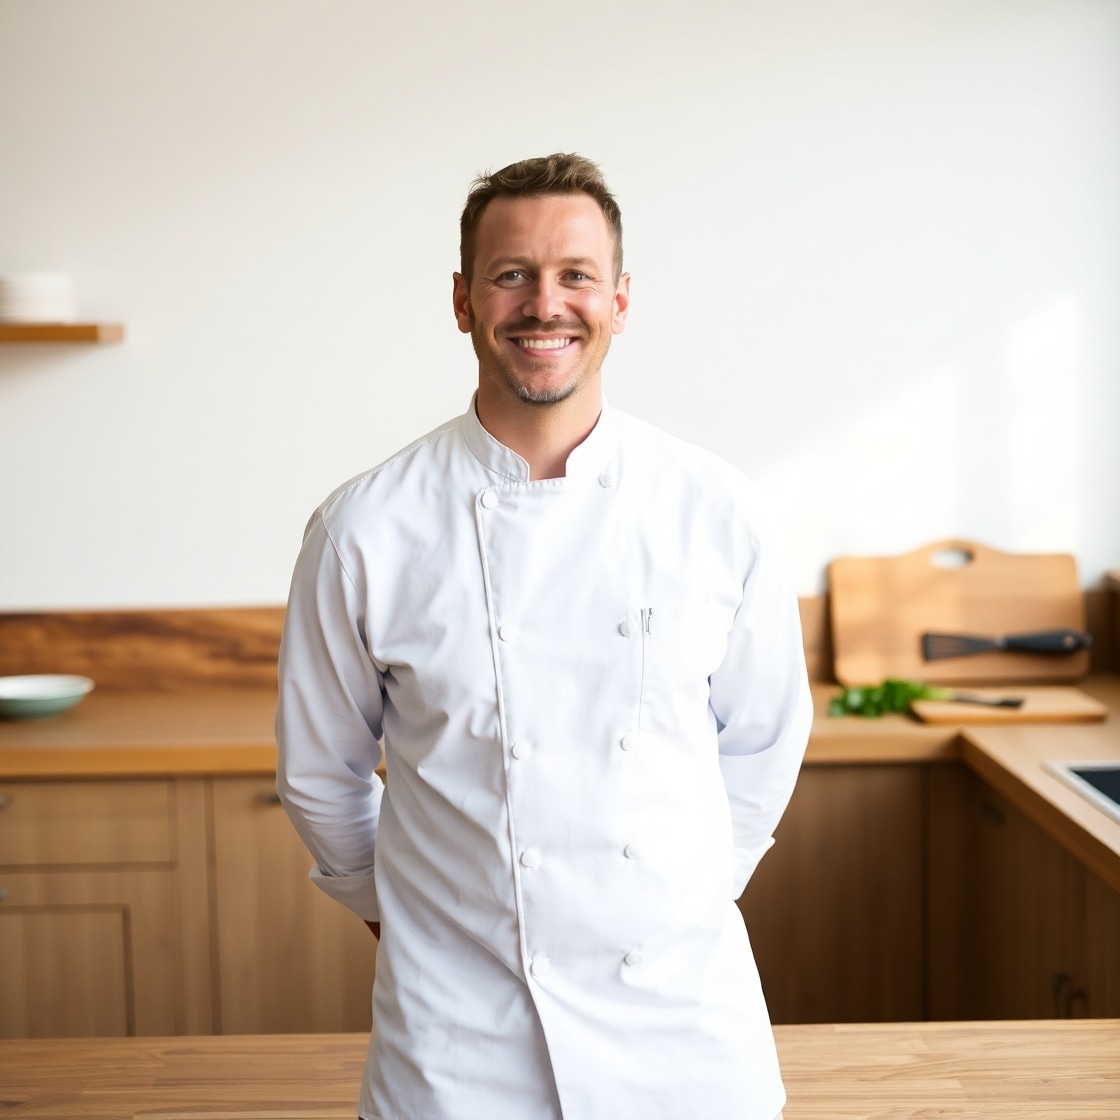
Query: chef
(575,637)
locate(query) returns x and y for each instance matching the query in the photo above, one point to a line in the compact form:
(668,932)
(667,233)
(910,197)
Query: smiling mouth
(555,343)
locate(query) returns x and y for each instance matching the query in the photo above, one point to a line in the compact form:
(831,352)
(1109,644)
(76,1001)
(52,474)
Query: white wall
(875,251)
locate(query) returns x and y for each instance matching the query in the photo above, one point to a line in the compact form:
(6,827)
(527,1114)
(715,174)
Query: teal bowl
(40,696)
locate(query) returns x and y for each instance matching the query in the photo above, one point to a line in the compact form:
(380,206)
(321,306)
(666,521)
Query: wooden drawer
(115,823)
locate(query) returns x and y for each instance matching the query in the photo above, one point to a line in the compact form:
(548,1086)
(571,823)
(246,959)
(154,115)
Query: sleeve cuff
(746,860)
(355,892)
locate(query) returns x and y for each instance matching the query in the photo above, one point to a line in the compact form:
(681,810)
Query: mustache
(539,326)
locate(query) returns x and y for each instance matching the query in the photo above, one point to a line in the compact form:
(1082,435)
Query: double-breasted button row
(540,966)
(531,858)
(608,480)
(522,749)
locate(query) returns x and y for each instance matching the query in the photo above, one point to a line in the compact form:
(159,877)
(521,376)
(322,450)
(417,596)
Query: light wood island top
(1053,1070)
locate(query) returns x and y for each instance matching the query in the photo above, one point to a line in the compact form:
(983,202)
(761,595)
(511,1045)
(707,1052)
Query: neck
(544,435)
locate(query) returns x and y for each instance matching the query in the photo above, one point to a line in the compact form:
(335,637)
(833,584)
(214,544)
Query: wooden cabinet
(1020,929)
(288,957)
(894,892)
(94,939)
(154,907)
(835,909)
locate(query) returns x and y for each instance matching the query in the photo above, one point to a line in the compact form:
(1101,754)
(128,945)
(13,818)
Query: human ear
(461,301)
(621,304)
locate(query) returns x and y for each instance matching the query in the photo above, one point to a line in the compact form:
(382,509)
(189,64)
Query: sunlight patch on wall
(885,479)
(1042,377)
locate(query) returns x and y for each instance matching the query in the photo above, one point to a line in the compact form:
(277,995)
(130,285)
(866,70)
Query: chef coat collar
(589,459)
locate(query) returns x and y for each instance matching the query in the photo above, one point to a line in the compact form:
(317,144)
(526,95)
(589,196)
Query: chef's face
(543,300)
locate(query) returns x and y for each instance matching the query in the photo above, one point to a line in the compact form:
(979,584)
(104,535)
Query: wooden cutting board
(1041,704)
(881,605)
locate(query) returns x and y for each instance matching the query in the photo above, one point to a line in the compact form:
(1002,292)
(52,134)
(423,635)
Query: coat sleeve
(328,724)
(760,696)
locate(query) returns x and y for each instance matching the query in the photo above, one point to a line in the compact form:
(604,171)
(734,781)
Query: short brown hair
(559,173)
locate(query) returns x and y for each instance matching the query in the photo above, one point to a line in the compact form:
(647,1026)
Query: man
(575,637)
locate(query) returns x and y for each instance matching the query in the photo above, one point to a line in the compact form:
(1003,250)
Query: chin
(544,396)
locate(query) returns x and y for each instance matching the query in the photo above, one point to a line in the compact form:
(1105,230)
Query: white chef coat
(594,705)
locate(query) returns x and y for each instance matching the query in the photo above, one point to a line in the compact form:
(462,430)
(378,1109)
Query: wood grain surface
(881,605)
(162,650)
(146,734)
(61,332)
(1041,704)
(1051,1070)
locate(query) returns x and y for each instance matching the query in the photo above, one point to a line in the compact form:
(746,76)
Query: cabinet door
(86,953)
(835,908)
(1021,930)
(288,957)
(87,927)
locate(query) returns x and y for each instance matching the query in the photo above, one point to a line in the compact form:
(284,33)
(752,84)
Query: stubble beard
(514,379)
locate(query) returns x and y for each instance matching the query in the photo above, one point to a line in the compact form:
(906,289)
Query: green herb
(890,696)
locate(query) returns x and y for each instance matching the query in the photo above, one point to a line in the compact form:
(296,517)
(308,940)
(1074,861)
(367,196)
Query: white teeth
(542,343)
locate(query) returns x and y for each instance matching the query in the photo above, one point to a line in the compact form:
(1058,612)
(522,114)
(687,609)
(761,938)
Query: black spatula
(938,647)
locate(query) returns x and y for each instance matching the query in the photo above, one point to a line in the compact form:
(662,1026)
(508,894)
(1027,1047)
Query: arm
(760,696)
(328,724)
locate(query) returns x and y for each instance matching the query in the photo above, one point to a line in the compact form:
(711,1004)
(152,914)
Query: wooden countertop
(146,734)
(229,731)
(896,1071)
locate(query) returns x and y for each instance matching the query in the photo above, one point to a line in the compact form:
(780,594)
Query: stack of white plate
(37,297)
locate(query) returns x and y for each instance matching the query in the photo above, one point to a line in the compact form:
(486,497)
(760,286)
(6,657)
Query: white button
(489,499)
(507,632)
(629,742)
(626,628)
(607,480)
(630,852)
(632,958)
(521,750)
(531,858)
(539,966)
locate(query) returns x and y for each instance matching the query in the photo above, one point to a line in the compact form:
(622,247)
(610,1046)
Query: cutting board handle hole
(952,558)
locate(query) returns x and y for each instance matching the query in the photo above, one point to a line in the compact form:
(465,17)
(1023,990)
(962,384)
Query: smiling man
(574,636)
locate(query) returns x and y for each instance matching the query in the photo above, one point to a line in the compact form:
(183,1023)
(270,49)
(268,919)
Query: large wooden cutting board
(881,605)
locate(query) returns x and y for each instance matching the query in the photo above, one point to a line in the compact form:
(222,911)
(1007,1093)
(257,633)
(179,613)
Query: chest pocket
(681,647)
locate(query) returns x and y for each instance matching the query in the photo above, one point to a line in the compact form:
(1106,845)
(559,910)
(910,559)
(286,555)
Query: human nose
(544,300)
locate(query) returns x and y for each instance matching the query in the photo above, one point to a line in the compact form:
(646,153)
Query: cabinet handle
(992,814)
(4,892)
(1066,996)
(5,800)
(272,798)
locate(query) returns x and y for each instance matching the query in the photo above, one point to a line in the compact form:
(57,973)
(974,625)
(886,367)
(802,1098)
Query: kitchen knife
(970,698)
(937,647)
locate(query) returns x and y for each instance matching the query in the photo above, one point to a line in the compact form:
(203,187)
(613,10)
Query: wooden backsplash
(163,650)
(182,650)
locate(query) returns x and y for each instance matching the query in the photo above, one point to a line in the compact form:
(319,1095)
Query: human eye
(578,277)
(511,277)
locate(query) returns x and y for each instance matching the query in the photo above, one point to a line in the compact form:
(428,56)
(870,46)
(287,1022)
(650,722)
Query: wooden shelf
(61,332)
